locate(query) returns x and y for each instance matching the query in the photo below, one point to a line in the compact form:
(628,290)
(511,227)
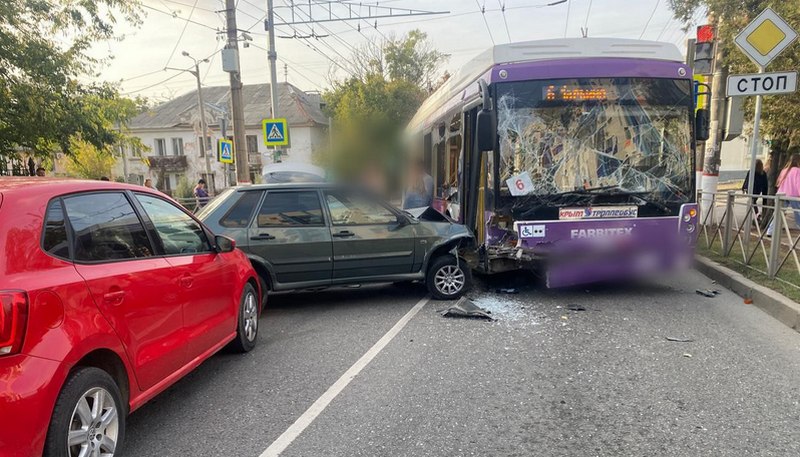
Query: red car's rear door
(132,286)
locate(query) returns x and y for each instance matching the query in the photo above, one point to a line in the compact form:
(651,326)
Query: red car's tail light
(13,320)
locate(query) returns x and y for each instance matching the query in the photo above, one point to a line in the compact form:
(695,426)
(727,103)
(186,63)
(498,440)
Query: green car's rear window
(239,216)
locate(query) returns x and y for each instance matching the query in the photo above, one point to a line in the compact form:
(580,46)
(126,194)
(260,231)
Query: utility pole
(272,55)
(239,141)
(711,160)
(203,128)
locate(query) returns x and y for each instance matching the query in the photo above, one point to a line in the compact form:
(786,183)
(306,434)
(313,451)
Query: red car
(109,293)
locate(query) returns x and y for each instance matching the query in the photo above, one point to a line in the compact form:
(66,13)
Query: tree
(43,60)
(371,108)
(87,161)
(780,114)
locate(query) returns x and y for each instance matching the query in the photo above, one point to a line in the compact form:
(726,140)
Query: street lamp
(203,127)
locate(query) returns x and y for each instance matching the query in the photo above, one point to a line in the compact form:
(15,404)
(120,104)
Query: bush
(184,189)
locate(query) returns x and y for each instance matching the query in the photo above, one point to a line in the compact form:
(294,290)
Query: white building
(172,132)
(735,157)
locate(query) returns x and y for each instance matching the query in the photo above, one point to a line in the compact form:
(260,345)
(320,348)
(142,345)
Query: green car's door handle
(344,234)
(262,236)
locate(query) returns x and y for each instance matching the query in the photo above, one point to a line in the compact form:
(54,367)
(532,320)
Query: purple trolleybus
(573,157)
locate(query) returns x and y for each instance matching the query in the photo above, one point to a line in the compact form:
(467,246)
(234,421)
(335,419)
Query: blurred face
(40,172)
(148,182)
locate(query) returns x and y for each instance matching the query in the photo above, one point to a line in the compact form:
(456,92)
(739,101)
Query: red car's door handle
(186,281)
(114,298)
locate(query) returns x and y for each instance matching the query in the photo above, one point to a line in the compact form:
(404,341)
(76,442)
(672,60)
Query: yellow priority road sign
(765,37)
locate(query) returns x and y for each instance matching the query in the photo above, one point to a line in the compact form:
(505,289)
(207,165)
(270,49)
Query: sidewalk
(776,305)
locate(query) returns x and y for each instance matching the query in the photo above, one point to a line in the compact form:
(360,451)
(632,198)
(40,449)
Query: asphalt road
(540,380)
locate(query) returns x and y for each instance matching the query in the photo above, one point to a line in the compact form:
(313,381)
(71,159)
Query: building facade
(172,133)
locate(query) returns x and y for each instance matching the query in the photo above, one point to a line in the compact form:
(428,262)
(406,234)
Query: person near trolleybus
(760,184)
(789,185)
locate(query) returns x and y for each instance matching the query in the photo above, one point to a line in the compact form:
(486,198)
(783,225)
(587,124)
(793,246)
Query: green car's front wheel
(448,278)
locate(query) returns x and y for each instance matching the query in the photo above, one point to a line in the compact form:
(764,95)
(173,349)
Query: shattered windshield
(615,134)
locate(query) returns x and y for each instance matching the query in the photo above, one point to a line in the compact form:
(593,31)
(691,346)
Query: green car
(312,235)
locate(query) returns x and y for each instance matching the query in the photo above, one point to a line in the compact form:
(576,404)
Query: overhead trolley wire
(503,10)
(649,19)
(482,10)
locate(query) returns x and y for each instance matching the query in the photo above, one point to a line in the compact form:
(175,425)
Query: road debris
(748,301)
(465,308)
(679,340)
(687,355)
(575,307)
(506,290)
(710,293)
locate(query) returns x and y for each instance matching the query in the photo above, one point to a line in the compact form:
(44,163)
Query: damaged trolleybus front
(572,157)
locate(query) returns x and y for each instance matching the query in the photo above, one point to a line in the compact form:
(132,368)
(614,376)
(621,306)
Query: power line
(649,19)
(175,15)
(180,37)
(180,72)
(305,40)
(566,23)
(187,4)
(482,10)
(664,29)
(503,10)
(334,50)
(153,85)
(149,73)
(294,70)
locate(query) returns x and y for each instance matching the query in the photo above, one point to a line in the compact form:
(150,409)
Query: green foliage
(87,161)
(370,110)
(184,189)
(43,59)
(781,113)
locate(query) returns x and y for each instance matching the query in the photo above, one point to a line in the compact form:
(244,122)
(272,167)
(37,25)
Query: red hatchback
(109,293)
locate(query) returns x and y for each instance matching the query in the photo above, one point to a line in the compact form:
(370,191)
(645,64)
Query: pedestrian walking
(789,184)
(200,194)
(760,185)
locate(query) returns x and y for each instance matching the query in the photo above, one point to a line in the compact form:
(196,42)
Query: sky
(170,27)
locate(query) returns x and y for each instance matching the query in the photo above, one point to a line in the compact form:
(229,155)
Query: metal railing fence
(762,236)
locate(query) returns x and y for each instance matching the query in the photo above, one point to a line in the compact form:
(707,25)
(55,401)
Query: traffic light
(704,50)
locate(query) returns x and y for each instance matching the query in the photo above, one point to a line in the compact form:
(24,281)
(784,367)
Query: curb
(773,303)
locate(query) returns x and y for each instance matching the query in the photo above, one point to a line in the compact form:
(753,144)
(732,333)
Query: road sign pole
(272,55)
(755,141)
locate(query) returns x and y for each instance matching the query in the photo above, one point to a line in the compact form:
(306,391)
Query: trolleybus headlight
(690,228)
(687,218)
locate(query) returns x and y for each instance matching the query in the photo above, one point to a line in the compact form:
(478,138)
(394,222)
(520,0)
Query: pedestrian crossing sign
(276,132)
(225,151)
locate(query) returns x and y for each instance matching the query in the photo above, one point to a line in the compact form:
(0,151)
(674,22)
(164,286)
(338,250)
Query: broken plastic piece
(575,307)
(679,340)
(748,301)
(506,290)
(465,308)
(687,355)
(708,292)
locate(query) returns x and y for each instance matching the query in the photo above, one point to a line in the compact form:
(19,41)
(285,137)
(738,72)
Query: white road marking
(302,422)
